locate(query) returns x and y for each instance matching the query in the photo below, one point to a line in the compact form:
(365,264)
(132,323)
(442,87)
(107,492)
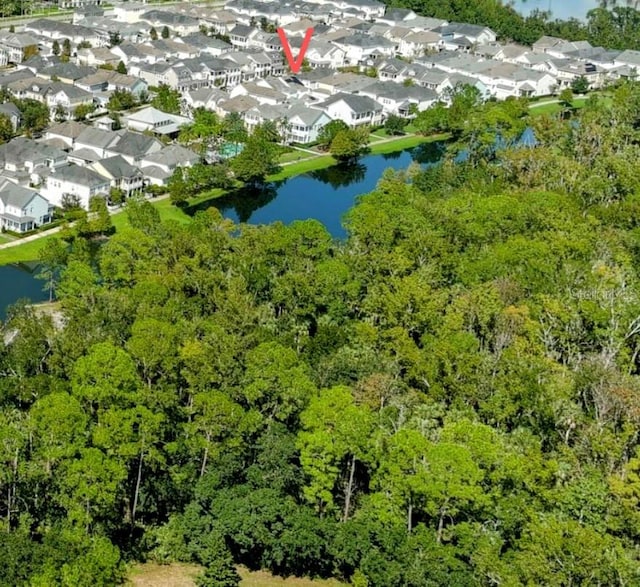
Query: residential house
(104,80)
(130,53)
(347,83)
(256,64)
(96,140)
(12,112)
(180,24)
(630,58)
(158,167)
(97,56)
(67,96)
(16,46)
(85,9)
(65,132)
(325,54)
(264,94)
(151,119)
(75,181)
(264,113)
(241,35)
(26,155)
(238,105)
(202,98)
(133,146)
(56,30)
(360,48)
(563,50)
(546,43)
(418,43)
(130,11)
(67,73)
(393,16)
(220,21)
(476,34)
(172,49)
(303,124)
(398,99)
(398,70)
(354,110)
(204,44)
(22,209)
(566,70)
(120,173)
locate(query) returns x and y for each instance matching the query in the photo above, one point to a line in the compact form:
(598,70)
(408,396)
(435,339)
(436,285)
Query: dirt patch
(182,575)
(154,575)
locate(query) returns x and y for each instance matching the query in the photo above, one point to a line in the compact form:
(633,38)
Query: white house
(73,180)
(352,109)
(153,120)
(358,48)
(22,209)
(120,173)
(303,124)
(129,11)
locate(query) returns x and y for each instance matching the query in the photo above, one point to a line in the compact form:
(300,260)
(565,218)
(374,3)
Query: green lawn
(4,239)
(552,108)
(404,142)
(303,166)
(24,252)
(294,156)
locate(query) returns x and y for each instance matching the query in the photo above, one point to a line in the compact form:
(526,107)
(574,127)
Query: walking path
(544,103)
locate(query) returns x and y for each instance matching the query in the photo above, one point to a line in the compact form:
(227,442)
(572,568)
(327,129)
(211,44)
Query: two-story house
(75,181)
(22,209)
(120,173)
(352,109)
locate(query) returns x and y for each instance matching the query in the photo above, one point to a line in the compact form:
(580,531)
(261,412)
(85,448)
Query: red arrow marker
(295,64)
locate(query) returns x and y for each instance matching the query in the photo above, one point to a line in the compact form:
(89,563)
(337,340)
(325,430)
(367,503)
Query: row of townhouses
(365,62)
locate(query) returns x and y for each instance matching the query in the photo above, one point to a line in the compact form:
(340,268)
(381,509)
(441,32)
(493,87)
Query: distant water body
(559,8)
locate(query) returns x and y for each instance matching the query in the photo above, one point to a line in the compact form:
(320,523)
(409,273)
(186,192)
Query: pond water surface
(324,195)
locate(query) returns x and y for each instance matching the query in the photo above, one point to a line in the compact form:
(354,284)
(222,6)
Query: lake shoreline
(28,251)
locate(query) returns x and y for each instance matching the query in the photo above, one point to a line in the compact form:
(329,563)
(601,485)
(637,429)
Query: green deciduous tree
(394,125)
(329,131)
(167,99)
(335,438)
(256,161)
(348,145)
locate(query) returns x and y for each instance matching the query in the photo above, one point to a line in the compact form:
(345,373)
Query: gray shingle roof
(134,144)
(97,137)
(117,167)
(356,103)
(171,156)
(15,195)
(80,175)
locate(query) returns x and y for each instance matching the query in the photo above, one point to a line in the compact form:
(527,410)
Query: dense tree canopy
(449,396)
(614,25)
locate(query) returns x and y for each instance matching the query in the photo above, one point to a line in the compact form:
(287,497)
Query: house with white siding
(22,209)
(75,181)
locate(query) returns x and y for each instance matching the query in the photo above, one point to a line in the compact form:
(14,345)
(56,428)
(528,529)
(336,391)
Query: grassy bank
(403,142)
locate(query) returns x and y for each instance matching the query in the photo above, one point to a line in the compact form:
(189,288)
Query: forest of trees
(450,396)
(613,24)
